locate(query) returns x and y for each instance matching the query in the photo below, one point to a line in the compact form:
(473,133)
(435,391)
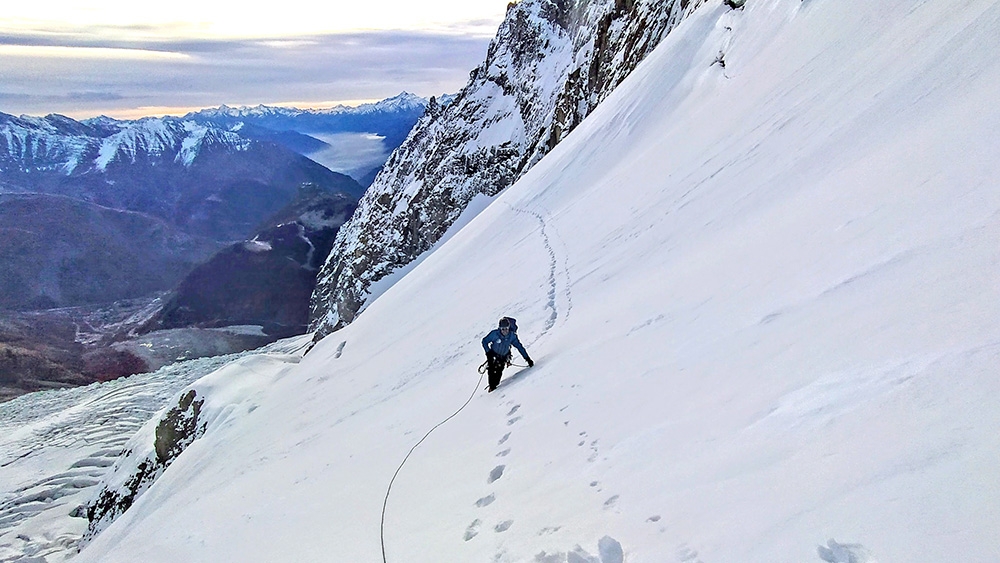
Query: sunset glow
(129,59)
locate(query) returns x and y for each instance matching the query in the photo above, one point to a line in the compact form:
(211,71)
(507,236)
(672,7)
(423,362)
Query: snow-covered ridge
(192,412)
(159,137)
(549,66)
(403,101)
(52,143)
(58,143)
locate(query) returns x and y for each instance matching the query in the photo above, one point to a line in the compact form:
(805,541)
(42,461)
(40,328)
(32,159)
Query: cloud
(95,96)
(203,73)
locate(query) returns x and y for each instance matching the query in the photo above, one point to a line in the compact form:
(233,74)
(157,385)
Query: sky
(128,59)
(762,302)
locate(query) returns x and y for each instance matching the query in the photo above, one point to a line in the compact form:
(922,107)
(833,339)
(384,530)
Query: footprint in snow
(503,526)
(473,529)
(513,421)
(503,453)
(687,555)
(513,410)
(486,501)
(496,473)
(609,550)
(504,439)
(835,552)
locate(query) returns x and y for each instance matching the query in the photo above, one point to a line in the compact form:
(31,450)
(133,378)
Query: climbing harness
(510,364)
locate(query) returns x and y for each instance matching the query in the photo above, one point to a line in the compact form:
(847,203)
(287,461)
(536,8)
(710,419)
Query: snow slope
(778,343)
(55,446)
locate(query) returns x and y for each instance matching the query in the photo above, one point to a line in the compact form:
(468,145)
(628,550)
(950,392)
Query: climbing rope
(385,502)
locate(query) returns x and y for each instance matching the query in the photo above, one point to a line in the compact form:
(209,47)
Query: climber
(497,345)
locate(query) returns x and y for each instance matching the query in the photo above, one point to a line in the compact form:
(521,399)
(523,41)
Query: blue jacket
(496,342)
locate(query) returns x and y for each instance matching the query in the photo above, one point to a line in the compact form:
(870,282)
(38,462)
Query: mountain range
(102,210)
(204,179)
(391,118)
(352,140)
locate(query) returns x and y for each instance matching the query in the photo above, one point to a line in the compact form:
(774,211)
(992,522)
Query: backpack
(513,323)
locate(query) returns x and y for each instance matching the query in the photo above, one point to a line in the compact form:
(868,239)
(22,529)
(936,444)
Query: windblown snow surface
(763,299)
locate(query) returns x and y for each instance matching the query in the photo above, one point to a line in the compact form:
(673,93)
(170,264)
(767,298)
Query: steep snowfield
(763,303)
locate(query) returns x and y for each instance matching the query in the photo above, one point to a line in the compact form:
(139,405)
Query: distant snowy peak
(50,144)
(445,99)
(550,64)
(404,101)
(57,143)
(242,112)
(179,140)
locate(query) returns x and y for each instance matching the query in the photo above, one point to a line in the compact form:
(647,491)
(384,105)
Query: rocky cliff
(551,63)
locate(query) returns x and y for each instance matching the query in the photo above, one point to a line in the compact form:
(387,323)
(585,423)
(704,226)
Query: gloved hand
(531,364)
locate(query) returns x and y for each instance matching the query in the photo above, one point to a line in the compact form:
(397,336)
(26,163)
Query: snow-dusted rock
(549,66)
(213,400)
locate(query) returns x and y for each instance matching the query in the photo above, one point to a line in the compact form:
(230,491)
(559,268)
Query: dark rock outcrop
(178,428)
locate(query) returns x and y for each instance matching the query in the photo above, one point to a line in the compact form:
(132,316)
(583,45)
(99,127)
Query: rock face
(177,429)
(551,63)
